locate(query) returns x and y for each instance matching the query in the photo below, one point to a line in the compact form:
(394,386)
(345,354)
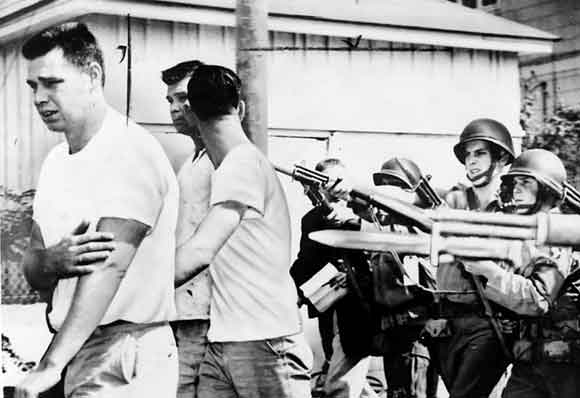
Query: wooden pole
(252,33)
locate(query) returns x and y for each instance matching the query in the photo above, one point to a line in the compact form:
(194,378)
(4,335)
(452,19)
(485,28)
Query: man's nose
(174,107)
(40,96)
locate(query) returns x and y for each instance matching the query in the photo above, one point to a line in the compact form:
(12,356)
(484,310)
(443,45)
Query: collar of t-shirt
(106,126)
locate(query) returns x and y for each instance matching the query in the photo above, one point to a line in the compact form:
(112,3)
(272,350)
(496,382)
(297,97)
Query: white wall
(350,93)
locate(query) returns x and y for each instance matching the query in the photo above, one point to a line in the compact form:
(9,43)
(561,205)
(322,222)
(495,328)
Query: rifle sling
(490,315)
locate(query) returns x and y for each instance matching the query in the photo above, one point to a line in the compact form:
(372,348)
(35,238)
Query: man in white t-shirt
(194,177)
(256,344)
(111,324)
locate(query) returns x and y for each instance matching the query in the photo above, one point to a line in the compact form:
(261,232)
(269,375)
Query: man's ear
(95,74)
(242,110)
(503,158)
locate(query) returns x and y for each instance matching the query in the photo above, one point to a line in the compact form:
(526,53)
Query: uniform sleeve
(133,186)
(241,178)
(530,290)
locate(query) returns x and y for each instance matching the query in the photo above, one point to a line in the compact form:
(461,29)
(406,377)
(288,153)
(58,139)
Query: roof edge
(50,12)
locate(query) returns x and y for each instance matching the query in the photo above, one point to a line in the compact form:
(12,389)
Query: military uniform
(470,355)
(409,370)
(539,286)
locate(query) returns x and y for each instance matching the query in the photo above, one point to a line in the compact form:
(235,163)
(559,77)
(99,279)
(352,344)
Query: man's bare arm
(215,229)
(95,291)
(74,255)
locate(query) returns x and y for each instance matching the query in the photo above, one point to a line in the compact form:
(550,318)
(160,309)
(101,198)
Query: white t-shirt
(193,298)
(122,172)
(253,296)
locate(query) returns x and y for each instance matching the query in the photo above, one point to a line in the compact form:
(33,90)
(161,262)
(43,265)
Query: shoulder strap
(472,201)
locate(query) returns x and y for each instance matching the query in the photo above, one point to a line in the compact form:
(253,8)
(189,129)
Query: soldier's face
(61,91)
(525,190)
(477,157)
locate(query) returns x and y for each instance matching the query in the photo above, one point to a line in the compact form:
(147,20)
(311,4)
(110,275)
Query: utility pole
(252,33)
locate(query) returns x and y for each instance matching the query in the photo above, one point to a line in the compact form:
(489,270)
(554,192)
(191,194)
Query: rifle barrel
(466,216)
(495,231)
(392,205)
(284,170)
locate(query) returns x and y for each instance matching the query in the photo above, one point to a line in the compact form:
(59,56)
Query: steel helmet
(488,130)
(391,173)
(542,165)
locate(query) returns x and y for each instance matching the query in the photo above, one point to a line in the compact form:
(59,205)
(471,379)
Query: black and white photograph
(290,198)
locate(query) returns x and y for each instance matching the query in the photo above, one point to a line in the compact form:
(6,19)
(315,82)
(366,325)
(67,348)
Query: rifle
(312,181)
(466,234)
(386,203)
(571,196)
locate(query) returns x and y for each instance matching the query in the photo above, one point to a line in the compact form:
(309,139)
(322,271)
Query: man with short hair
(194,177)
(112,331)
(471,359)
(256,344)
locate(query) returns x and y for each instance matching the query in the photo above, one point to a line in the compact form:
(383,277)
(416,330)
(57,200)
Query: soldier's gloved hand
(361,209)
(339,188)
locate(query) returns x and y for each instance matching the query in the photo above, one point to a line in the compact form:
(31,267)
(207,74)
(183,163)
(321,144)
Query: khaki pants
(120,362)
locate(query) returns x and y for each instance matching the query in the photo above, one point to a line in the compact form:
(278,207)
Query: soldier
(409,371)
(547,349)
(471,357)
(343,340)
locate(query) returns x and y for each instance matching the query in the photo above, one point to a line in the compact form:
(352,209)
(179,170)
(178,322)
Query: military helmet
(488,130)
(392,173)
(542,165)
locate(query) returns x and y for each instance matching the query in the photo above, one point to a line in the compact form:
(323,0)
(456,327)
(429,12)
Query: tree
(558,133)
(15,226)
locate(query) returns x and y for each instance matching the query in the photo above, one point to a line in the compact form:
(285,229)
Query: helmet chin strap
(525,209)
(483,178)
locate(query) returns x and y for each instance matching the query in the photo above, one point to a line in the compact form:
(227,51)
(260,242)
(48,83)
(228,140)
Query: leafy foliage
(15,225)
(558,133)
